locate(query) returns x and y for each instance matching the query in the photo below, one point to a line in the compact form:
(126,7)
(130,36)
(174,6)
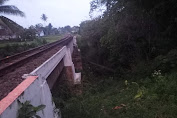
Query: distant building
(39,33)
(9,29)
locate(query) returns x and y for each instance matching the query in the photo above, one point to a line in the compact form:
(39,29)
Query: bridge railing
(36,89)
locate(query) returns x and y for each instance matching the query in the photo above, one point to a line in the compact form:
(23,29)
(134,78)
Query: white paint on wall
(38,92)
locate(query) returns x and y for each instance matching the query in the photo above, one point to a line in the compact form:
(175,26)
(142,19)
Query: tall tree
(44,18)
(50,28)
(10,9)
(38,26)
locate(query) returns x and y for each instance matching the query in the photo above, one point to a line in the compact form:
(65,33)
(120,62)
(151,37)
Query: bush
(167,62)
(153,97)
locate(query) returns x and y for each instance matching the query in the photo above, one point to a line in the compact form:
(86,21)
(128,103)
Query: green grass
(11,48)
(108,97)
(51,39)
(3,44)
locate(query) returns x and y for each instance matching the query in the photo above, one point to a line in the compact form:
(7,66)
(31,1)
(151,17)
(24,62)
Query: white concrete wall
(47,67)
(38,92)
(70,46)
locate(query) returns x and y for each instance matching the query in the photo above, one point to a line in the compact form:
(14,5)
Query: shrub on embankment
(111,97)
(147,90)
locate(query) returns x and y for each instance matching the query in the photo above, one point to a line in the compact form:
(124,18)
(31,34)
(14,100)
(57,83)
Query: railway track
(9,64)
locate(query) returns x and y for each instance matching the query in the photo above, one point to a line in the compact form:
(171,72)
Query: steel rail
(27,57)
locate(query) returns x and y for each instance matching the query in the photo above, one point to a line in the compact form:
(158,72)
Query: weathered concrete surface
(47,67)
(78,78)
(69,76)
(55,74)
(76,58)
(37,92)
(29,90)
(36,87)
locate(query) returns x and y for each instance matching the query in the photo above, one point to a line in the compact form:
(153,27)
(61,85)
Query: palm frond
(8,9)
(3,1)
(44,17)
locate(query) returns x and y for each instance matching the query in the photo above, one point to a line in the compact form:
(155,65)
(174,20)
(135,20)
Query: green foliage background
(130,31)
(136,38)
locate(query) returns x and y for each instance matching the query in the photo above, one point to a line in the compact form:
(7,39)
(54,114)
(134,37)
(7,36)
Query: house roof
(4,32)
(10,27)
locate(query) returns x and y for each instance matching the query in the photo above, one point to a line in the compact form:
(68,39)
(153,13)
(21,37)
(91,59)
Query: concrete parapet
(36,86)
(29,90)
(47,67)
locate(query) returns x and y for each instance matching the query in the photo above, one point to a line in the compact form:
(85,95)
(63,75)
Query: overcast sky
(59,12)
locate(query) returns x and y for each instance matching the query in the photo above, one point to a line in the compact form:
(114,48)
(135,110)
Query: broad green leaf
(40,107)
(139,94)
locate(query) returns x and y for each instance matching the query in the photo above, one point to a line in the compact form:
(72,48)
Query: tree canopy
(44,17)
(130,31)
(10,9)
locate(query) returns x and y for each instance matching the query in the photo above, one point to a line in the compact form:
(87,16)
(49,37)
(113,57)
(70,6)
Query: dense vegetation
(113,97)
(137,39)
(130,32)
